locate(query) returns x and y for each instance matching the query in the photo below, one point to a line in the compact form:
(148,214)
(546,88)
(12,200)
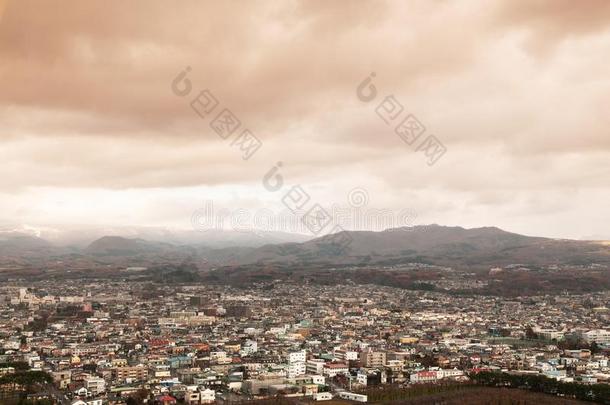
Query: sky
(113,113)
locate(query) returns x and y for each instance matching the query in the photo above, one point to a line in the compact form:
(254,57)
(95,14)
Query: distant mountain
(213,238)
(433,244)
(219,239)
(119,246)
(19,244)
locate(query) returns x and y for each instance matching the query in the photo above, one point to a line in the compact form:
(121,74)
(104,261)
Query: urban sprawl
(107,342)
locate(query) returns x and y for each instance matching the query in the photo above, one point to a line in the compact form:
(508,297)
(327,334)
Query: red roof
(426,374)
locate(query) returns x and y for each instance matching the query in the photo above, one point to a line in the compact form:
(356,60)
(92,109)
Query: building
(322,396)
(333,369)
(61,378)
(137,373)
(295,369)
(346,355)
(297,357)
(95,385)
(449,373)
(165,400)
(599,336)
(423,377)
(370,358)
(238,311)
(549,334)
(206,396)
(248,348)
(315,366)
(350,396)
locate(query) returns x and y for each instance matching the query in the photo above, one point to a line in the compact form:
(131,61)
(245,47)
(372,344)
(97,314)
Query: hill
(18,244)
(432,244)
(119,246)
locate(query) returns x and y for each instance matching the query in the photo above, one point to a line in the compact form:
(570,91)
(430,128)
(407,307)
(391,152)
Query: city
(109,342)
(292,202)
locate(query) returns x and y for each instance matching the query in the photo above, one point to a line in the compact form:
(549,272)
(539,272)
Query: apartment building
(138,373)
(295,369)
(297,357)
(315,366)
(371,358)
(95,385)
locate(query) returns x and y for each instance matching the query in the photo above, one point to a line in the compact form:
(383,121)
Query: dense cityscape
(293,202)
(108,342)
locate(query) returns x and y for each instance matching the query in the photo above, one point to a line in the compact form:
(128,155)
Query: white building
(361,377)
(295,369)
(297,357)
(315,366)
(599,336)
(333,369)
(423,377)
(322,396)
(205,396)
(95,385)
(350,396)
(89,402)
(346,355)
(318,379)
(549,334)
(218,355)
(447,373)
(249,347)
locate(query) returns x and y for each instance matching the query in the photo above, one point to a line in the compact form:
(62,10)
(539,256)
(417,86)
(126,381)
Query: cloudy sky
(92,131)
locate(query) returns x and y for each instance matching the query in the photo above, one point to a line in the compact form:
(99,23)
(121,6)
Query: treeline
(17,365)
(25,378)
(599,393)
(511,283)
(25,401)
(277,400)
(173,273)
(389,393)
(479,395)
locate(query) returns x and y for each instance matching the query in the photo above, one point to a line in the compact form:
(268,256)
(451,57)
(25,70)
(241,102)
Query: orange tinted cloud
(516,90)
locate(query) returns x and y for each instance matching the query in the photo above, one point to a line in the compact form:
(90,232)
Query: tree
(594,347)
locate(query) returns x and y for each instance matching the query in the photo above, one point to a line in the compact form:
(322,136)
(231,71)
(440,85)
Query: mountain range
(431,244)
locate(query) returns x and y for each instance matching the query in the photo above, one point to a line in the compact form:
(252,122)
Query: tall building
(370,358)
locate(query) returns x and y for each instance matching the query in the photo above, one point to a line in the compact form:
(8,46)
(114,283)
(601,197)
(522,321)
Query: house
(333,369)
(205,396)
(89,402)
(350,396)
(322,396)
(165,400)
(423,377)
